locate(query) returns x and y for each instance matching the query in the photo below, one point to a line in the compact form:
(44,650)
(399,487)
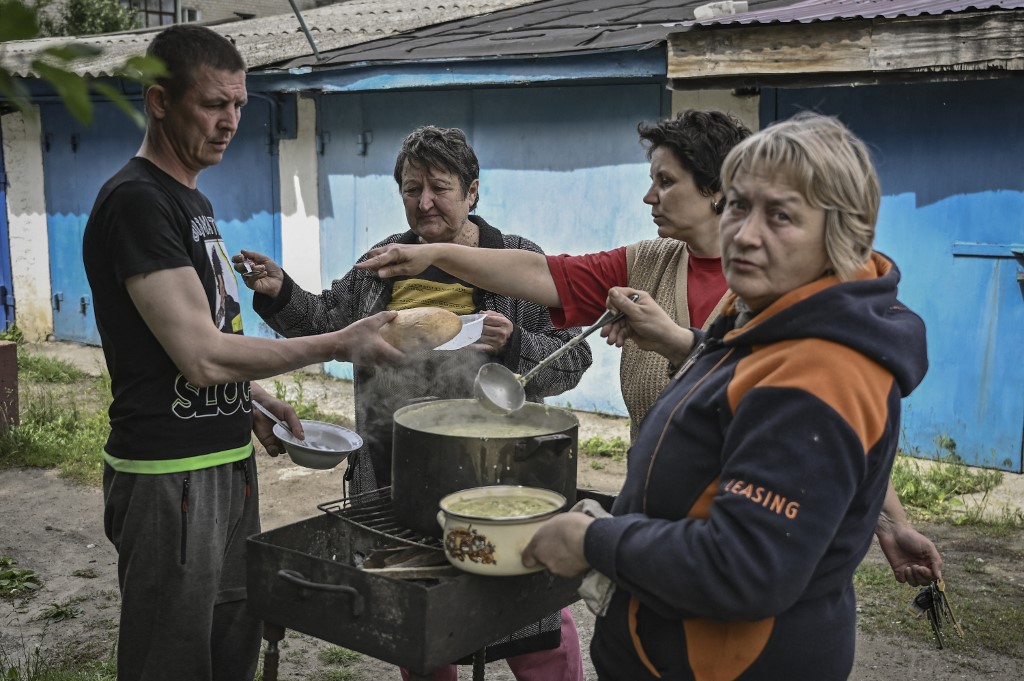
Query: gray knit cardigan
(445,375)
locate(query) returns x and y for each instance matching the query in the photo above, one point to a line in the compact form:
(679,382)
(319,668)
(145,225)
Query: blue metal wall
(561,166)
(6,286)
(77,161)
(951,162)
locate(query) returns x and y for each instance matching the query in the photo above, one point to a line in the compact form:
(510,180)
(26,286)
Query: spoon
(499,390)
(249,273)
(269,415)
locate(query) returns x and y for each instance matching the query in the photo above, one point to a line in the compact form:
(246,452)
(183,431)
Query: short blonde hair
(831,168)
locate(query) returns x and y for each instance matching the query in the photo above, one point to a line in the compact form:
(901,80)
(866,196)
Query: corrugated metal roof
(547,27)
(806,11)
(267,40)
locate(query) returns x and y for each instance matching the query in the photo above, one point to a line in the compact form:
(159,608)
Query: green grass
(940,490)
(54,432)
(338,656)
(989,608)
(597,446)
(47,369)
(40,666)
(305,407)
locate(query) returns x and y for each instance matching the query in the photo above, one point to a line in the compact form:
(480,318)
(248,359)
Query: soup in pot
(508,506)
(496,430)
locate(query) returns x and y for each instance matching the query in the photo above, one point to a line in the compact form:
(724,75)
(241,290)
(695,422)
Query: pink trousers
(563,663)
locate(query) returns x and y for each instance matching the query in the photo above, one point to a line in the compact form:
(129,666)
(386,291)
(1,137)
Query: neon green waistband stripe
(192,463)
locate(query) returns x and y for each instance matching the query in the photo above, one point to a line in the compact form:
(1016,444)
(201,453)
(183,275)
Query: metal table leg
(273,634)
(479,662)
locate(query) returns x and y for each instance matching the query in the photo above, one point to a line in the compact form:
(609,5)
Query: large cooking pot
(445,446)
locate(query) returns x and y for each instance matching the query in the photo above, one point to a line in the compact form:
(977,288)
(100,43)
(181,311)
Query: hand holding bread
(421,328)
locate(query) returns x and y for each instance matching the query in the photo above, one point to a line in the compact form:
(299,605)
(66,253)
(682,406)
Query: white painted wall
(300,204)
(26,216)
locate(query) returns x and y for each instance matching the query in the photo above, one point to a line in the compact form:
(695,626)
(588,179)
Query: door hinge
(322,140)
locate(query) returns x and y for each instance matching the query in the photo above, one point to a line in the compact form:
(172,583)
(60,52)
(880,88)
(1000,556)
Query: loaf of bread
(421,328)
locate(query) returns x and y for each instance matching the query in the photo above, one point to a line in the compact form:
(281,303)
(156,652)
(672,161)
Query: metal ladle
(499,390)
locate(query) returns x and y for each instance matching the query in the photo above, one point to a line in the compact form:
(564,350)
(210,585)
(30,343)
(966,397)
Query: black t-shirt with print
(143,221)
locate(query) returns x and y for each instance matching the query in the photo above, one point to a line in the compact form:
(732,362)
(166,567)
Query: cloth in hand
(596,590)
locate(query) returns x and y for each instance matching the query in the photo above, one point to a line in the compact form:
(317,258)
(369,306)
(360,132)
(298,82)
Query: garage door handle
(300,581)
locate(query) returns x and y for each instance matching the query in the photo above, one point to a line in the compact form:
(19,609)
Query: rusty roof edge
(995,64)
(810,11)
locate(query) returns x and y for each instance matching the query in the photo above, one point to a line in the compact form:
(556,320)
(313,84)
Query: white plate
(472,326)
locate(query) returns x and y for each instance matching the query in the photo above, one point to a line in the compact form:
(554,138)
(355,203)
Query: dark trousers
(180,539)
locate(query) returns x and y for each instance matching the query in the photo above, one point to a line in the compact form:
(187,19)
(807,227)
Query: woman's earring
(718,206)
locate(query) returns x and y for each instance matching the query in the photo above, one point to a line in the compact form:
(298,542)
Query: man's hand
(558,545)
(398,259)
(262,275)
(263,427)
(361,342)
(496,332)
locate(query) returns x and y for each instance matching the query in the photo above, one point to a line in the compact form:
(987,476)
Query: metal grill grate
(374,512)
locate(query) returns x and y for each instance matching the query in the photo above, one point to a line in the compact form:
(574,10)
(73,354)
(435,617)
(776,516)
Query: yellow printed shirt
(432,288)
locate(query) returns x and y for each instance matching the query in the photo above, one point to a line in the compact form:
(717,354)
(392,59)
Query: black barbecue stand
(307,576)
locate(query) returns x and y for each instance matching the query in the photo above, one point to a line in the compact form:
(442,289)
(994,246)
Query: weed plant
(946,489)
(304,407)
(16,581)
(58,612)
(614,449)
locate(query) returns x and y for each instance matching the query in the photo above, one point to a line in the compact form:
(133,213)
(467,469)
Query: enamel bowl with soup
(487,528)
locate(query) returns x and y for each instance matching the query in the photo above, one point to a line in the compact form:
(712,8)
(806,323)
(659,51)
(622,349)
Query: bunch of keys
(931,600)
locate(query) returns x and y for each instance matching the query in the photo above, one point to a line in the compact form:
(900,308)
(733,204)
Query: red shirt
(582,282)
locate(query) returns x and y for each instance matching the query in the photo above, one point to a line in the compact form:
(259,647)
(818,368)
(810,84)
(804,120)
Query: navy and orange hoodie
(754,487)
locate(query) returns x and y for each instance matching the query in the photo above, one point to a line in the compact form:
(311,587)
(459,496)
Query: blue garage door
(561,166)
(6,286)
(952,170)
(77,161)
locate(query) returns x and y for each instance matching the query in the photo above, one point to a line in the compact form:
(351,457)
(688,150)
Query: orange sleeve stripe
(855,386)
(702,507)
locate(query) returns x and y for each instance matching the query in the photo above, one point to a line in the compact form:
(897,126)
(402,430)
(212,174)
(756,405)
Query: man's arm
(511,272)
(175,308)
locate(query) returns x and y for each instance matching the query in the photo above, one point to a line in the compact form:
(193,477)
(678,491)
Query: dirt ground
(55,528)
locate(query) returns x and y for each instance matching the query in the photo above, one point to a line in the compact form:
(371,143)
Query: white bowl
(472,327)
(493,545)
(326,445)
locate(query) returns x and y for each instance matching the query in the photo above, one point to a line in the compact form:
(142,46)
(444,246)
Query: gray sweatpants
(180,540)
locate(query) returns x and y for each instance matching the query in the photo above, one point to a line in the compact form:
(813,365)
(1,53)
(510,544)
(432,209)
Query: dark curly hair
(446,149)
(700,140)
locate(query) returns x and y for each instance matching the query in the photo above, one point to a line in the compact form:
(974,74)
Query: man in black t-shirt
(180,488)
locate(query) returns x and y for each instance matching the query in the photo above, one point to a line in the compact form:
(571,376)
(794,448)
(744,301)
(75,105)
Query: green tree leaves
(55,64)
